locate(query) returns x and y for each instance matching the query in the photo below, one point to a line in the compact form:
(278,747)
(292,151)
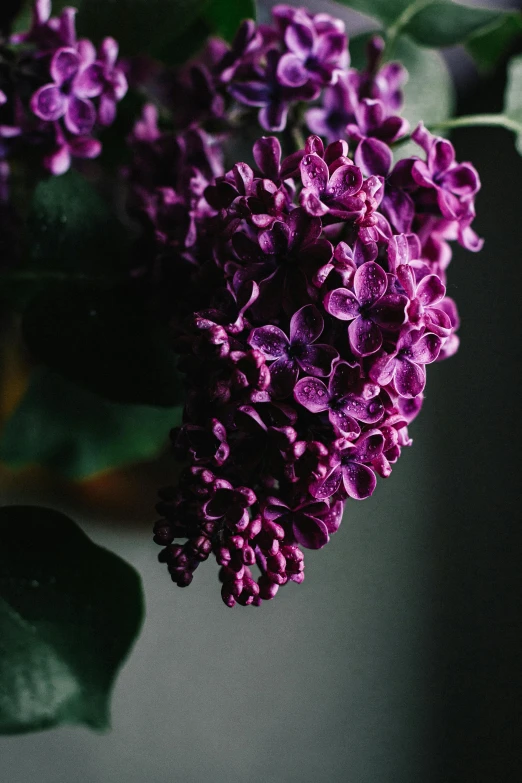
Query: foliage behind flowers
(258,228)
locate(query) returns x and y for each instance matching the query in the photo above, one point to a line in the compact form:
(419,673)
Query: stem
(497,120)
(401,22)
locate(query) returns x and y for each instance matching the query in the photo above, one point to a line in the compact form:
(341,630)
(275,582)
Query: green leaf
(444,23)
(104,339)
(69,614)
(438,23)
(488,46)
(428,93)
(78,434)
(72,228)
(225,16)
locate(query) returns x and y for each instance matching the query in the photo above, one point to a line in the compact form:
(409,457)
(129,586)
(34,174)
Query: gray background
(398,659)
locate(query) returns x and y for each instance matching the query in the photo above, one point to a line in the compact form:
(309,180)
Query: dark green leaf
(444,23)
(78,434)
(225,16)
(386,11)
(72,229)
(69,614)
(104,339)
(488,46)
(428,93)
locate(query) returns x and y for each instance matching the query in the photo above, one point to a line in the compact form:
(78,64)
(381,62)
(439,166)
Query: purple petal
(314,174)
(283,375)
(399,208)
(310,532)
(299,38)
(345,181)
(390,311)
(367,411)
(410,378)
(312,394)
(369,447)
(328,486)
(270,340)
(80,116)
(306,325)
(49,103)
(365,336)
(373,157)
(359,480)
(250,93)
(64,65)
(333,517)
(342,304)
(267,155)
(441,156)
(317,359)
(106,110)
(84,147)
(312,203)
(462,180)
(90,82)
(343,379)
(291,72)
(430,290)
(344,423)
(369,283)
(426,349)
(273,116)
(58,162)
(331,46)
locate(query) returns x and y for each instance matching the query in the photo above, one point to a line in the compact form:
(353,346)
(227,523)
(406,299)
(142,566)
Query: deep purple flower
(299,351)
(66,96)
(352,469)
(334,194)
(105,80)
(405,367)
(347,405)
(309,524)
(369,308)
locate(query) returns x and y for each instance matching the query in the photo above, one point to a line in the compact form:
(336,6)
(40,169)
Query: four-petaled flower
(368,307)
(352,469)
(406,365)
(299,351)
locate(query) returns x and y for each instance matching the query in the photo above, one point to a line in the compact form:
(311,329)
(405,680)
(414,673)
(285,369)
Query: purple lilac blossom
(73,90)
(306,294)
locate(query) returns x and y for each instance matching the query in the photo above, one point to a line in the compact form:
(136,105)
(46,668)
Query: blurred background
(398,659)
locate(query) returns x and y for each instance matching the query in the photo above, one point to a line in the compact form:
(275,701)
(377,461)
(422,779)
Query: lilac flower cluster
(307,296)
(58,90)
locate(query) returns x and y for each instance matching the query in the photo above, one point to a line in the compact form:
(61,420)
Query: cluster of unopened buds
(56,90)
(307,294)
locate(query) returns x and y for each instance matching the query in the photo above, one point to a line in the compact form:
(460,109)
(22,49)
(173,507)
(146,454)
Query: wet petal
(367,411)
(312,203)
(310,532)
(370,446)
(369,283)
(344,423)
(390,311)
(426,349)
(270,340)
(317,359)
(283,375)
(430,290)
(365,336)
(343,380)
(328,486)
(312,394)
(359,480)
(345,181)
(410,378)
(341,304)
(314,174)
(306,325)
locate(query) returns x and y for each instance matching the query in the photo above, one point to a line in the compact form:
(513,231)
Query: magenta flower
(299,351)
(370,309)
(308,524)
(352,469)
(330,193)
(346,408)
(65,96)
(405,367)
(105,80)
